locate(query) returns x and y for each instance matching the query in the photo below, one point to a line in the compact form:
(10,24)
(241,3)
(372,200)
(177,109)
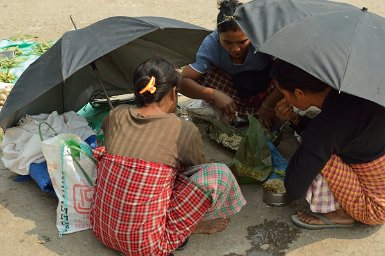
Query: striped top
(164,138)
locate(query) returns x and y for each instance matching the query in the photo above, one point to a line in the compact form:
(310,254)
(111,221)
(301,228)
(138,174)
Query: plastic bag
(275,182)
(72,170)
(39,172)
(203,110)
(253,157)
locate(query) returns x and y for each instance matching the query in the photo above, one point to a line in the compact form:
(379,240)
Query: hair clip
(226,18)
(150,86)
(229,17)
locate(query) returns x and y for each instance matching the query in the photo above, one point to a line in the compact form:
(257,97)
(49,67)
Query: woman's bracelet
(296,120)
(267,107)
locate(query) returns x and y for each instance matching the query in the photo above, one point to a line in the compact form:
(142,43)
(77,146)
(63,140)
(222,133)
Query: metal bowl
(274,199)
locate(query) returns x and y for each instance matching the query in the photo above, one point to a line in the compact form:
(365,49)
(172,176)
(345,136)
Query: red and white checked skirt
(143,208)
(146,208)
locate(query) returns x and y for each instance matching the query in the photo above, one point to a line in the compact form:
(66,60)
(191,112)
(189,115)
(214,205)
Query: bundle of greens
(5,66)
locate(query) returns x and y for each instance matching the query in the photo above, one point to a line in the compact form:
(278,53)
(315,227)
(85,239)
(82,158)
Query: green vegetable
(40,48)
(7,77)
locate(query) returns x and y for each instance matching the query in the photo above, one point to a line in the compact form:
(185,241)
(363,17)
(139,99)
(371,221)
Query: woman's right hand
(224,102)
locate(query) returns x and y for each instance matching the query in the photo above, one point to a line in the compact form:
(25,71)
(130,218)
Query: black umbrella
(340,44)
(62,80)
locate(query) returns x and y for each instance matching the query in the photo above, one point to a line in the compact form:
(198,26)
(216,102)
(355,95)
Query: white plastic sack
(21,144)
(66,155)
(204,110)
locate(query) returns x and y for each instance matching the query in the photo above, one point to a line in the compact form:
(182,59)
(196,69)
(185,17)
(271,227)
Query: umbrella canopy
(62,80)
(338,43)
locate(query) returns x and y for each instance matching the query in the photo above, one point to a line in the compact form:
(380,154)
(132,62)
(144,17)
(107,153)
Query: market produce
(5,89)
(229,141)
(275,186)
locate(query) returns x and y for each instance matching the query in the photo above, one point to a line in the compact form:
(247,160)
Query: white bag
(204,110)
(72,170)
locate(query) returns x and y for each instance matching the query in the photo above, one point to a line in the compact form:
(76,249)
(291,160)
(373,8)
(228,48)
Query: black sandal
(183,245)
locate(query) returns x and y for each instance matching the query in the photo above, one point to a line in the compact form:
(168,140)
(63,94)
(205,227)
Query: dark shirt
(348,126)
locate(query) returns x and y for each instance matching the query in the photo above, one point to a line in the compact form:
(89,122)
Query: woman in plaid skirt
(229,73)
(154,186)
(340,163)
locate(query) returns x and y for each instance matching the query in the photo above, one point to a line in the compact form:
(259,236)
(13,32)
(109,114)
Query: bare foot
(211,226)
(339,217)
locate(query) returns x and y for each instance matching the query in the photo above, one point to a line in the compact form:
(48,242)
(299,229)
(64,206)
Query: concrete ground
(28,215)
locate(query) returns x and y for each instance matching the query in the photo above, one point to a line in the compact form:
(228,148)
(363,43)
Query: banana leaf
(253,157)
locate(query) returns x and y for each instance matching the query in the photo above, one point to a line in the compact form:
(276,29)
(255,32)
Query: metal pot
(274,199)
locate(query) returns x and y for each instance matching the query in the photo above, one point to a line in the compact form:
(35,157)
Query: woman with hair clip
(229,73)
(154,186)
(340,163)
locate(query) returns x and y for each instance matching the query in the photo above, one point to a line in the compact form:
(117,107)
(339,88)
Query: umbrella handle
(95,69)
(93,65)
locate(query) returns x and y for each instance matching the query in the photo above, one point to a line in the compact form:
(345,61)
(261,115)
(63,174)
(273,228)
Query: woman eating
(340,163)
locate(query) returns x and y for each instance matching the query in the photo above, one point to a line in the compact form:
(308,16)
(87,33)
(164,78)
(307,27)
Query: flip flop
(328,223)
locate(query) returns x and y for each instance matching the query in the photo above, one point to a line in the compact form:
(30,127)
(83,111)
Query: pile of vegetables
(5,67)
(17,51)
(4,92)
(23,48)
(275,186)
(41,47)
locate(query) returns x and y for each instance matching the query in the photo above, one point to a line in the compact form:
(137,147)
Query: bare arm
(273,98)
(266,112)
(191,88)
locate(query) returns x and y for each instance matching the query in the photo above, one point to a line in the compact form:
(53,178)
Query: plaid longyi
(320,197)
(218,182)
(220,80)
(359,188)
(141,207)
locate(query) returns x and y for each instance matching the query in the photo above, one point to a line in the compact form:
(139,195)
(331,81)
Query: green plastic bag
(95,116)
(253,157)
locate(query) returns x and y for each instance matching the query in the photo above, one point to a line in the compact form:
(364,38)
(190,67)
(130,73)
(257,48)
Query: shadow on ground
(28,216)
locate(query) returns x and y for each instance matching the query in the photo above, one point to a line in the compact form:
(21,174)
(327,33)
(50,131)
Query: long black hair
(226,11)
(166,78)
(291,77)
